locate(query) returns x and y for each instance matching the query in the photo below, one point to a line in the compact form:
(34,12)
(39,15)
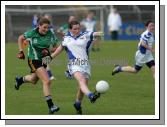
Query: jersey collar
(71,35)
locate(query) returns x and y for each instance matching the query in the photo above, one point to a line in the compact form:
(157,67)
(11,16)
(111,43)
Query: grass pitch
(129,94)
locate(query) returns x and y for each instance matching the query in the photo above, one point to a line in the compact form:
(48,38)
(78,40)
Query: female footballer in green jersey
(40,40)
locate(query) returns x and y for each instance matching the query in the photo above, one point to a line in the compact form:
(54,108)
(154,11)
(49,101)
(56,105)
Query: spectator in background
(64,28)
(114,23)
(49,17)
(35,21)
(90,24)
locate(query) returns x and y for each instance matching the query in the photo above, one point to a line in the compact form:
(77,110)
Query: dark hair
(42,20)
(148,22)
(70,25)
(39,19)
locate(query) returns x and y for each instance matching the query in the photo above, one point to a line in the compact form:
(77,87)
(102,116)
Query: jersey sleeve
(145,37)
(90,35)
(90,38)
(28,34)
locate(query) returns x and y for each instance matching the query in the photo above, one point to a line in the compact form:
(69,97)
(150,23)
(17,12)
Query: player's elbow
(21,38)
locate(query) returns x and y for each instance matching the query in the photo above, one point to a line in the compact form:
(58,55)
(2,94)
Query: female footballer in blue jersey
(76,43)
(143,54)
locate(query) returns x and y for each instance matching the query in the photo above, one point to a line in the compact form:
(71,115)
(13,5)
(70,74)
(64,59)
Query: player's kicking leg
(83,90)
(77,104)
(79,98)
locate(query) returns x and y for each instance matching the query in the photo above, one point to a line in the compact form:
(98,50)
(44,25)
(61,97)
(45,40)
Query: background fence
(18,18)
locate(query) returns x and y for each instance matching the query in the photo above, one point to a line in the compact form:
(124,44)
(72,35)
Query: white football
(102,86)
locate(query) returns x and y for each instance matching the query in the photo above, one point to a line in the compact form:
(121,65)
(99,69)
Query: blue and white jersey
(89,24)
(78,47)
(148,38)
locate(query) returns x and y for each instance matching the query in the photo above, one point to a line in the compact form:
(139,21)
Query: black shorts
(35,64)
(149,64)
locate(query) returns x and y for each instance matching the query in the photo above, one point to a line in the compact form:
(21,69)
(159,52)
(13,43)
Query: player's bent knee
(135,71)
(153,67)
(34,81)
(137,68)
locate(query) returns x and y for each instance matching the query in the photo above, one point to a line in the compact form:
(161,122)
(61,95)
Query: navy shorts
(149,64)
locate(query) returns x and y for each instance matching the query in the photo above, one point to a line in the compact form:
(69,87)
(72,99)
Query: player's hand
(101,34)
(46,60)
(152,50)
(46,57)
(21,55)
(45,52)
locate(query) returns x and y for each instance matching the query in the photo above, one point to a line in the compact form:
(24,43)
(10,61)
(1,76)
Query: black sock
(21,80)
(49,101)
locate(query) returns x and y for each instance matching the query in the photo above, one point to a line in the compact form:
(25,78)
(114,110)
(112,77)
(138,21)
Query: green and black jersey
(38,42)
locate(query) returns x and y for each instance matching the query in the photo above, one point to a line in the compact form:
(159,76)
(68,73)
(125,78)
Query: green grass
(130,94)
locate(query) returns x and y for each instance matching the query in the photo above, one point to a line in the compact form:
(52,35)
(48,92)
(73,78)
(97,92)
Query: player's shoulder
(67,36)
(30,32)
(146,34)
(50,32)
(85,32)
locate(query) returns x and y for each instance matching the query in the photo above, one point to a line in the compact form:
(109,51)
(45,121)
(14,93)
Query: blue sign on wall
(128,31)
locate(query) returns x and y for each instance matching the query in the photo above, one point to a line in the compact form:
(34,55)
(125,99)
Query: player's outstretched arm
(98,34)
(57,51)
